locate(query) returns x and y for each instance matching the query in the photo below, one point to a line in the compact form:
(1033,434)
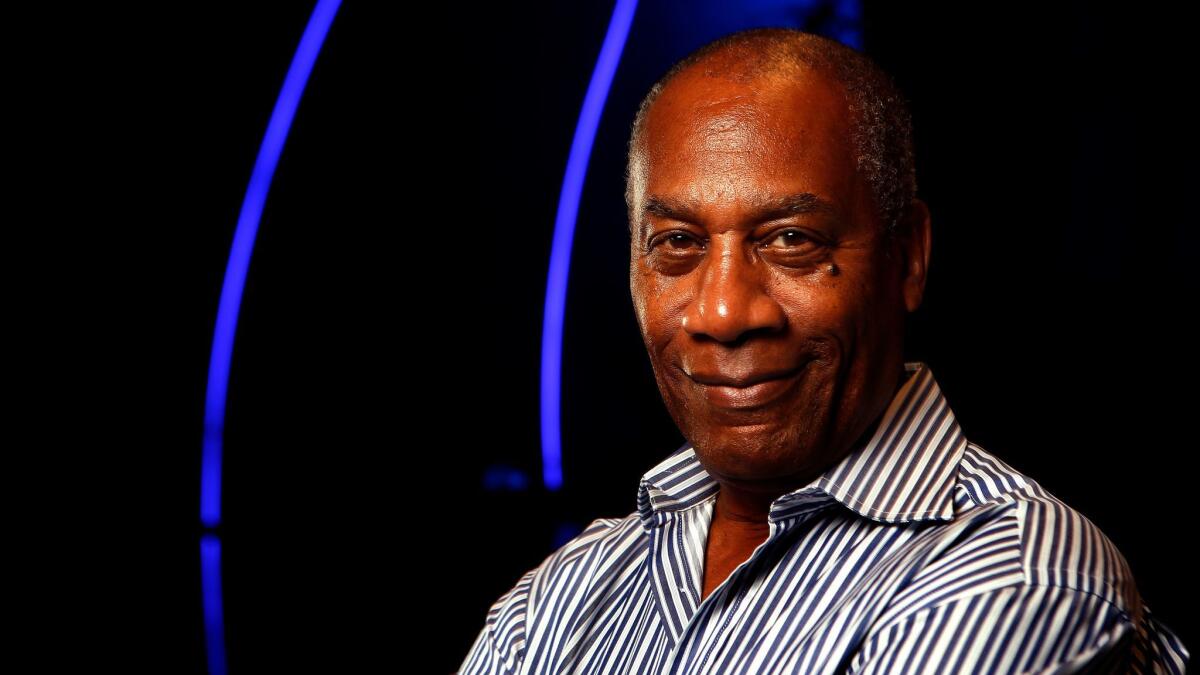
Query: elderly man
(826,514)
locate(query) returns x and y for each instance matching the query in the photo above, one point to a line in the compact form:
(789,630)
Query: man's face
(750,196)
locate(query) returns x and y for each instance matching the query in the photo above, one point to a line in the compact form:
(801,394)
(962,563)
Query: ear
(915,242)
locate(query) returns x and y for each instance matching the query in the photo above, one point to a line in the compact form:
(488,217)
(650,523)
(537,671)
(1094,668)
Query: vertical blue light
(239,256)
(848,23)
(564,234)
(214,611)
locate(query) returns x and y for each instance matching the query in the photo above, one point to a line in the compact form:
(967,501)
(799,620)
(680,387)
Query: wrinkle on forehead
(778,117)
(732,132)
(696,96)
(737,159)
(734,129)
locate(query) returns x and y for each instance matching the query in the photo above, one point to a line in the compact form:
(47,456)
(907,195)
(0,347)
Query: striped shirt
(918,552)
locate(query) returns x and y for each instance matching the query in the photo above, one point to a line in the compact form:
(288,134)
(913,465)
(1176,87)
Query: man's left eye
(679,240)
(790,238)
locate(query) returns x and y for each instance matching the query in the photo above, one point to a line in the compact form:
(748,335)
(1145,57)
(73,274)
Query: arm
(505,625)
(483,658)
(499,648)
(1020,629)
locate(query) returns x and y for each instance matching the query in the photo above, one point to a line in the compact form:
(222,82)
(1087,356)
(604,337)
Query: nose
(731,298)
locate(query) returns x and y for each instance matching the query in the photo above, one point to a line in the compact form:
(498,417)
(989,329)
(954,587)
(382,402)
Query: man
(826,514)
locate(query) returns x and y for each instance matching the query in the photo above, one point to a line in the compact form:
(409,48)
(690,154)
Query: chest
(799,602)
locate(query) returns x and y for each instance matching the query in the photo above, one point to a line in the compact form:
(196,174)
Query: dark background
(388,352)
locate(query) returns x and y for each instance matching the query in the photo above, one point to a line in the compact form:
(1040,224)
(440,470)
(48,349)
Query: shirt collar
(906,472)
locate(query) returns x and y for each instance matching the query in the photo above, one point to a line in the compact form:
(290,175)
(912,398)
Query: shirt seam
(1114,605)
(1027,570)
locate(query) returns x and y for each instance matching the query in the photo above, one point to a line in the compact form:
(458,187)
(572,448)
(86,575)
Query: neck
(743,511)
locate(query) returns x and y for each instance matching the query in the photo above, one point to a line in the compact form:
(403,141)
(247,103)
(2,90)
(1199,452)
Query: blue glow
(214,611)
(243,246)
(564,234)
(564,532)
(848,20)
(500,477)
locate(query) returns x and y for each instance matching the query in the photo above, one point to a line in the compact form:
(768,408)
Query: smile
(750,396)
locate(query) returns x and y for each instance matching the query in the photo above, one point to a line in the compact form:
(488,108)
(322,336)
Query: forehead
(715,141)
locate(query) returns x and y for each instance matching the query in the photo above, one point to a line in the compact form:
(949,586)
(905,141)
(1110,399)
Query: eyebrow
(763,209)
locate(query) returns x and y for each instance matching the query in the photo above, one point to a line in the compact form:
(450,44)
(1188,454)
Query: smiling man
(826,514)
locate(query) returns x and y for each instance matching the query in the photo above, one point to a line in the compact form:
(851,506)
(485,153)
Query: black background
(389,343)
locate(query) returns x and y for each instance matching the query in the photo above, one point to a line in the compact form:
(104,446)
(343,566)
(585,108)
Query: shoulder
(562,580)
(598,536)
(1009,534)
(1047,541)
(1023,574)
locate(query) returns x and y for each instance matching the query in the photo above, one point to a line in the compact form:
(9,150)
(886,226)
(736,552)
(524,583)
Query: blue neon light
(214,611)
(243,246)
(564,234)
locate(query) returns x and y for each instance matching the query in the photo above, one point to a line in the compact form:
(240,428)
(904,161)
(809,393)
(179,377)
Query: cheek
(637,292)
(660,307)
(831,305)
(807,297)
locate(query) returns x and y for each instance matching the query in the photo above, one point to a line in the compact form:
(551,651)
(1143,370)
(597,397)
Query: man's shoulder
(604,546)
(599,546)
(1032,535)
(1014,558)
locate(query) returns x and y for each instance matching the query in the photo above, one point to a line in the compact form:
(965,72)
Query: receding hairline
(880,125)
(764,83)
(738,64)
(774,56)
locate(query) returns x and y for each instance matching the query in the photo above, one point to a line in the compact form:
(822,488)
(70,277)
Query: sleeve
(499,649)
(1039,630)
(501,643)
(483,657)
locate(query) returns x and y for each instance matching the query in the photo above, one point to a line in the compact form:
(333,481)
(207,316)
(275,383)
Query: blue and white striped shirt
(918,552)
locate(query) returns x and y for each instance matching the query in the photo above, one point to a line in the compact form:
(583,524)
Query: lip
(759,390)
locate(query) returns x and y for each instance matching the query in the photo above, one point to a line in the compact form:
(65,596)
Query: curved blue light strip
(239,256)
(564,234)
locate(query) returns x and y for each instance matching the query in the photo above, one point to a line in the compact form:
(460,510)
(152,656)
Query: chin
(753,451)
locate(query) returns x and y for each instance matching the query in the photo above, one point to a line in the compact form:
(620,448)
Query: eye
(677,241)
(789,238)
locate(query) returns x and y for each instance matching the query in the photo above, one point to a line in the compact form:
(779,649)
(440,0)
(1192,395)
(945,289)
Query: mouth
(748,392)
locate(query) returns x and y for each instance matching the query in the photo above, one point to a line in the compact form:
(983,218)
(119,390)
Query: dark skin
(771,306)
